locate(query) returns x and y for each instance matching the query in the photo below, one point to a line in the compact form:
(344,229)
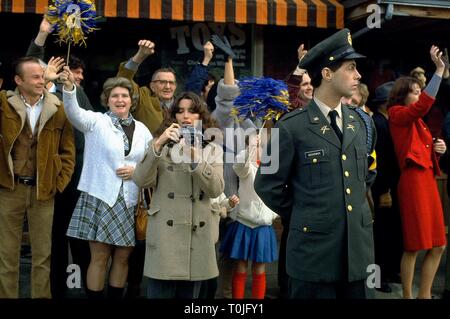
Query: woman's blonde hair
(113,83)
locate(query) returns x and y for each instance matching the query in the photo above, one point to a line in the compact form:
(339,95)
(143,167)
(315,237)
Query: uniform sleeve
(272,188)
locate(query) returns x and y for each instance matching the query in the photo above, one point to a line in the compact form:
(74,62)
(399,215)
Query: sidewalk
(272,290)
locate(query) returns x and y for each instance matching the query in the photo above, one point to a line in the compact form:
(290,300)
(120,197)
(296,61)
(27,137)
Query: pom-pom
(261,98)
(72,20)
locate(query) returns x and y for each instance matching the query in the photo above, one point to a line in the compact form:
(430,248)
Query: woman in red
(420,204)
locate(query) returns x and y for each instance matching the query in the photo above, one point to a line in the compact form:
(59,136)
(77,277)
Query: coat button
(192,198)
(344,157)
(349,208)
(347,174)
(314,160)
(427,146)
(348,191)
(305,229)
(170,223)
(171,195)
(194,228)
(201,224)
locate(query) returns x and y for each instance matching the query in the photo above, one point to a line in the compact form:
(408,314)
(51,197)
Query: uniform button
(344,157)
(314,160)
(427,146)
(349,208)
(348,191)
(425,128)
(305,229)
(347,174)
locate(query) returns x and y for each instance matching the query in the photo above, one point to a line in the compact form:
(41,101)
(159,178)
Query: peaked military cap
(333,49)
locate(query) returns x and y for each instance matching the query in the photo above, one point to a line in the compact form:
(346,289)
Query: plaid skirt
(94,220)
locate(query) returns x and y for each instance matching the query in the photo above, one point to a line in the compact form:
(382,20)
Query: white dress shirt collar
(33,111)
(325,109)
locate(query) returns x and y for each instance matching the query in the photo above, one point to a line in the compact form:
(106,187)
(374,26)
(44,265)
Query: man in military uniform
(324,164)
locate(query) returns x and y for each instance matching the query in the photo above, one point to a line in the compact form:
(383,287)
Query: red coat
(414,140)
(420,203)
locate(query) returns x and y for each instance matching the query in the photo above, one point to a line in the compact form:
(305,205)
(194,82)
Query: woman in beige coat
(180,251)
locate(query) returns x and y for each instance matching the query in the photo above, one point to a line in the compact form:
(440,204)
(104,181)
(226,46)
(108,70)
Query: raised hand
(436,57)
(45,26)
(66,77)
(208,50)
(301,52)
(53,67)
(172,133)
(146,48)
(224,45)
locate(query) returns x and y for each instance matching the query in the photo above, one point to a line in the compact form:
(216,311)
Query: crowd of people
(355,181)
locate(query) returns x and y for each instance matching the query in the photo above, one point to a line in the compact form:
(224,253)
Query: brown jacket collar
(49,108)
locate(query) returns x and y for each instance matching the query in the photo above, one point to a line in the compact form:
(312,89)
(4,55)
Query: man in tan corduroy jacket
(37,158)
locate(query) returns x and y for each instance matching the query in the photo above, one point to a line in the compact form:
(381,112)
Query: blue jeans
(173,289)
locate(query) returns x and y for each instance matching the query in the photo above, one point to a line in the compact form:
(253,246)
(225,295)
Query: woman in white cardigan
(104,215)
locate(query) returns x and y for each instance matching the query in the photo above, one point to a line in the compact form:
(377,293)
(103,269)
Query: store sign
(186,47)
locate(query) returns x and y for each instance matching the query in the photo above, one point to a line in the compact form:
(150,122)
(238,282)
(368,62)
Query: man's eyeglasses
(165,82)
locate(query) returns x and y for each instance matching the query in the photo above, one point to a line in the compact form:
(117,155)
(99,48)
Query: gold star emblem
(350,127)
(324,129)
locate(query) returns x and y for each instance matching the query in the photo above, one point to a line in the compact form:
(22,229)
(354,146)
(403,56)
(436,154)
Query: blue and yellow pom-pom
(72,20)
(372,160)
(261,98)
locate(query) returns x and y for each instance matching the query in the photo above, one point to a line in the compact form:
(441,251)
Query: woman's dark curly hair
(400,90)
(198,106)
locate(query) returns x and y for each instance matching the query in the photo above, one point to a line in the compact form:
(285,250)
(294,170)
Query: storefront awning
(301,13)
(436,9)
(439,9)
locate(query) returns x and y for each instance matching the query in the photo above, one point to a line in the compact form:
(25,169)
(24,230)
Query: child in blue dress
(251,236)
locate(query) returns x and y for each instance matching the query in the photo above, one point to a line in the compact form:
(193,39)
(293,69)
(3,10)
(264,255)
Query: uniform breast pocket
(361,157)
(316,164)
